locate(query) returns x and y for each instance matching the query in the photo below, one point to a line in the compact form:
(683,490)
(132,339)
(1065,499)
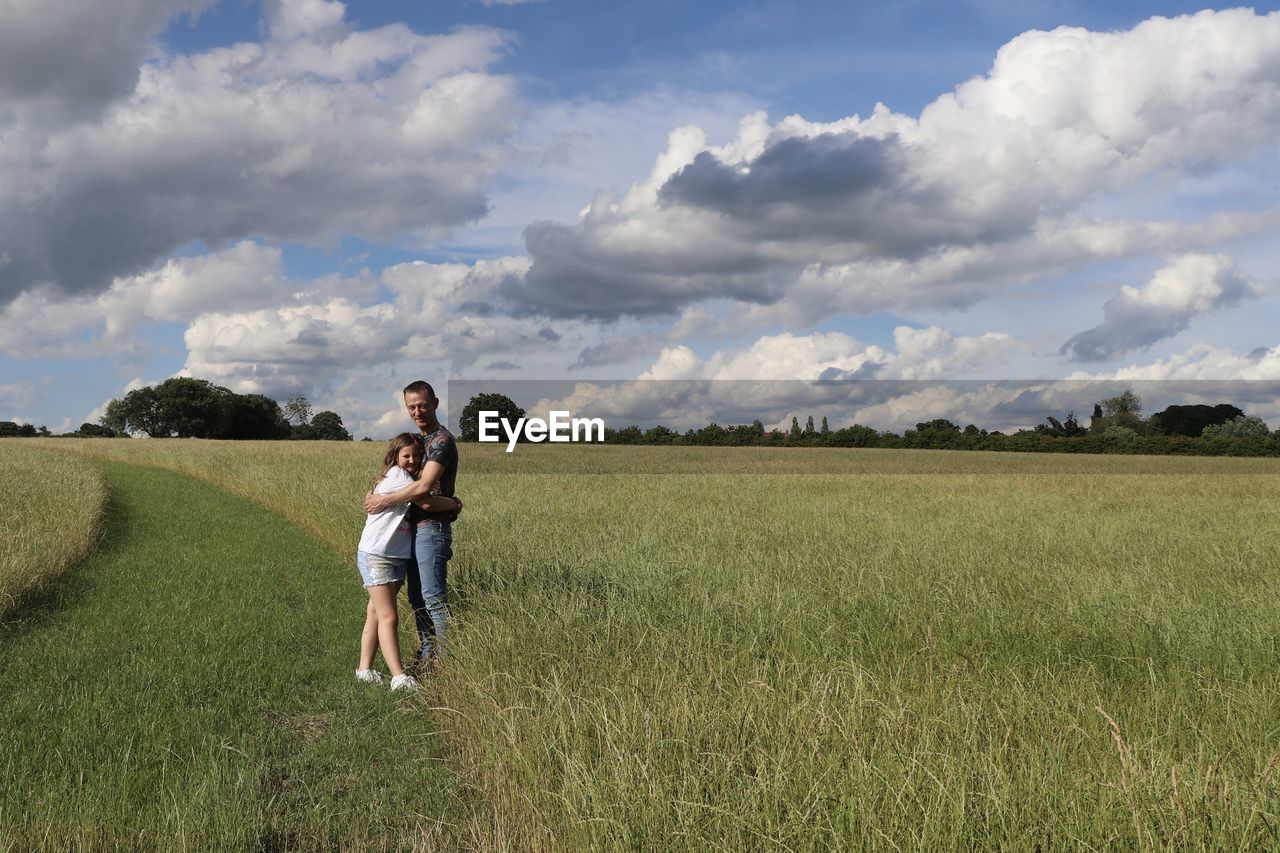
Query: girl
(386,549)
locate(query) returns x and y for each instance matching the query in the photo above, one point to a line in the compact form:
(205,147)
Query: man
(433,531)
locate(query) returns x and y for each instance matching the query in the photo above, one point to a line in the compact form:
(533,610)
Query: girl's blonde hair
(392,457)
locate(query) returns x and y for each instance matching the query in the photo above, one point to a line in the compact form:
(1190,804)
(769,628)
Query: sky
(306,196)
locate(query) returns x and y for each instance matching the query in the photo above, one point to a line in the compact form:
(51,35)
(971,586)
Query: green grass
(190,686)
(52,516)
(697,647)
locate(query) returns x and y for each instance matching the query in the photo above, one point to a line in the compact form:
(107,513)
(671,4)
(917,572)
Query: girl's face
(410,459)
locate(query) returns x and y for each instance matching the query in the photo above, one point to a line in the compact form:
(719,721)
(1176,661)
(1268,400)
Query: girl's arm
(415,492)
(439,503)
(431,503)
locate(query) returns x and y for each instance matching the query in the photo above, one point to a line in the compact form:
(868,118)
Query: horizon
(327,199)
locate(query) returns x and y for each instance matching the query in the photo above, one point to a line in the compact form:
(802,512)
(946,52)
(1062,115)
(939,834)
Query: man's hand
(453,516)
(373,504)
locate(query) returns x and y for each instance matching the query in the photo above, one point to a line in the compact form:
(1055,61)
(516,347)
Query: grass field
(673,647)
(52,517)
(190,686)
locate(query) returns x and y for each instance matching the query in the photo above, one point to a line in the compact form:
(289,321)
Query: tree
(1123,410)
(626,435)
(191,408)
(196,408)
(824,430)
(253,416)
(94,431)
(808,428)
(795,428)
(297,410)
(658,435)
(1193,420)
(1095,422)
(1070,428)
(135,413)
(327,426)
(469,420)
(1244,426)
(938,425)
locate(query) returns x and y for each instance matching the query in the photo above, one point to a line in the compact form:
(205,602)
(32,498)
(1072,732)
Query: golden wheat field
(53,510)
(801,649)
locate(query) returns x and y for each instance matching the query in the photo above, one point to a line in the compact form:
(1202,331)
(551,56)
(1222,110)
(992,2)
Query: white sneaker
(404,681)
(370,675)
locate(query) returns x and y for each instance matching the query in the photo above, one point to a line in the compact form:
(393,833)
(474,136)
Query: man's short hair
(420,387)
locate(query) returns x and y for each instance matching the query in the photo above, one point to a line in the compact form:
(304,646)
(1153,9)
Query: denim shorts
(376,570)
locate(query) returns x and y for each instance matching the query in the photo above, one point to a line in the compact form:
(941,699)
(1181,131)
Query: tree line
(185,407)
(1117,425)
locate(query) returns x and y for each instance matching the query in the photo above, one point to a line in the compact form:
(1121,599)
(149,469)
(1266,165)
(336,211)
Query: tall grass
(189,687)
(52,515)
(808,648)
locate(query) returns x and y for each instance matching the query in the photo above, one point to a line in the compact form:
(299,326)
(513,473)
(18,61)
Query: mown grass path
(190,686)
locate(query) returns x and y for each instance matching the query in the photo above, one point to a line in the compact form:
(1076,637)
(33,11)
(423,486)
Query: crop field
(53,515)
(748,648)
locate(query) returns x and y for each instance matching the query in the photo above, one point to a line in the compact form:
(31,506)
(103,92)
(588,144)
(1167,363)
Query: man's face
(421,408)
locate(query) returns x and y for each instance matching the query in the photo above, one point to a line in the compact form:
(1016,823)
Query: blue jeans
(432,548)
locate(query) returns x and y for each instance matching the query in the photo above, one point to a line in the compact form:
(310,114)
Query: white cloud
(317,132)
(1200,362)
(988,187)
(1178,293)
(1204,373)
(242,277)
(930,353)
(16,395)
(565,151)
(291,19)
(437,316)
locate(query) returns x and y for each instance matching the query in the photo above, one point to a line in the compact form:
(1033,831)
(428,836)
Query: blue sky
(301,196)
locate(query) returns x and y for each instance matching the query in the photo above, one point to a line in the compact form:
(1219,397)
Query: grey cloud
(1124,329)
(1138,317)
(986,185)
(862,190)
(881,404)
(221,147)
(866,370)
(615,350)
(502,365)
(75,57)
(572,276)
(477,309)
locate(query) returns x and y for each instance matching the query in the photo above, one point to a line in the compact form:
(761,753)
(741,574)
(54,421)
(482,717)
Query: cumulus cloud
(1204,373)
(71,58)
(613,350)
(1201,361)
(319,131)
(990,184)
(282,349)
(894,404)
(15,396)
(242,277)
(928,353)
(1178,293)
